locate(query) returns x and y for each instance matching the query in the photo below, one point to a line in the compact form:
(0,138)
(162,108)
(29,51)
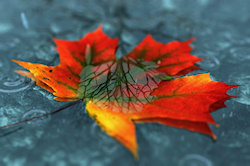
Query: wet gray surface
(70,137)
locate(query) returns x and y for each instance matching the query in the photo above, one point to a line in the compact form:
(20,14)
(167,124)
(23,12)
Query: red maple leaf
(140,87)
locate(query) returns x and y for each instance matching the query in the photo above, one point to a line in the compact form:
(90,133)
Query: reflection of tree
(124,85)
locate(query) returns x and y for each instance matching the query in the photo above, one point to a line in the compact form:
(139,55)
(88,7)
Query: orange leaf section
(187,98)
(115,124)
(173,58)
(58,78)
(95,46)
(32,77)
(183,102)
(63,79)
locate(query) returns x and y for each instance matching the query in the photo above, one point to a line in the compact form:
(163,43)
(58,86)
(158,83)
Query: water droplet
(195,160)
(32,114)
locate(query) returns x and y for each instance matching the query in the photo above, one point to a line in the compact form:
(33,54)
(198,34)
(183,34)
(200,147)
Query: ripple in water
(195,160)
(32,114)
(13,85)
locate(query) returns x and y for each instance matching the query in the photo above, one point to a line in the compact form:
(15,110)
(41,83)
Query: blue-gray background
(70,137)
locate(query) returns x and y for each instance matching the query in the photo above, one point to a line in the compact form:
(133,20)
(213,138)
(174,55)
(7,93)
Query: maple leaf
(137,88)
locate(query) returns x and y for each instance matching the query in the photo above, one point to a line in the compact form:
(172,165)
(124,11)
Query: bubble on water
(195,160)
(32,114)
(14,84)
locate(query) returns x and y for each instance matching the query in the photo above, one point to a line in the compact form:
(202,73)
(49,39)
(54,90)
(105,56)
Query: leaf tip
(21,63)
(136,156)
(191,40)
(214,137)
(16,61)
(100,27)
